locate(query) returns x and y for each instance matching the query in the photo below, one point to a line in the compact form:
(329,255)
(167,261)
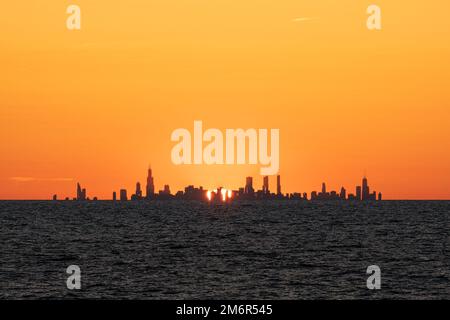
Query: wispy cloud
(22,179)
(31,179)
(304,19)
(60,179)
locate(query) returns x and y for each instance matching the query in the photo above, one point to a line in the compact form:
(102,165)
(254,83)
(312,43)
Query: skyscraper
(166,189)
(266,185)
(78,191)
(138,191)
(249,186)
(138,194)
(358,192)
(81,193)
(343,193)
(150,188)
(278,185)
(123,195)
(365,189)
(324,188)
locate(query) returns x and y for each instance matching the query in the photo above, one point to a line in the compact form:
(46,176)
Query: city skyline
(361,192)
(247,192)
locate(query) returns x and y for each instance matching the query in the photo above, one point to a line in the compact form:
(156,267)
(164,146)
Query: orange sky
(98,105)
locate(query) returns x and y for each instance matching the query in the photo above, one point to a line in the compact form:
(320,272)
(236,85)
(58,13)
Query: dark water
(259,250)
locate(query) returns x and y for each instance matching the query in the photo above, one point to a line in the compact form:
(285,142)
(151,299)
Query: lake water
(243,250)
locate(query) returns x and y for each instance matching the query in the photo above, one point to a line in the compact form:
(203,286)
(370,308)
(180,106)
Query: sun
(219,195)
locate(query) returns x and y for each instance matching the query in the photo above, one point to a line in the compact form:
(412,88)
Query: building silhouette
(166,190)
(358,193)
(138,194)
(193,193)
(279,185)
(265,188)
(138,190)
(365,189)
(343,194)
(81,193)
(247,192)
(150,188)
(165,193)
(123,195)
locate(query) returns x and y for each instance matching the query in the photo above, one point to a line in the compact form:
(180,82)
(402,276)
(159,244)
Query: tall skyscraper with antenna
(365,189)
(150,188)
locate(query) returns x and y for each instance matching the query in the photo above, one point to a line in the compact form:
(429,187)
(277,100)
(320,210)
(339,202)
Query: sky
(98,105)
